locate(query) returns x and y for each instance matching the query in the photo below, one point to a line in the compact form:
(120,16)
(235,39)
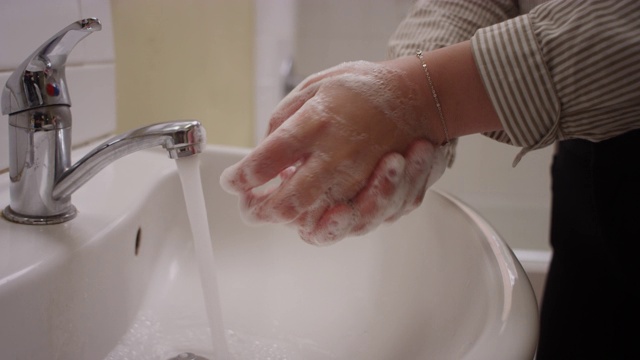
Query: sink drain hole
(138,239)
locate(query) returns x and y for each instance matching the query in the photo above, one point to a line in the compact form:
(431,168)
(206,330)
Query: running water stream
(189,170)
(155,333)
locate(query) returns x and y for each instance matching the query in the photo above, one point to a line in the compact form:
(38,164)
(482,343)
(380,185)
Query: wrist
(465,107)
(434,94)
(431,127)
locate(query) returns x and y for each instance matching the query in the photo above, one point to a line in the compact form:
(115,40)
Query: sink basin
(121,281)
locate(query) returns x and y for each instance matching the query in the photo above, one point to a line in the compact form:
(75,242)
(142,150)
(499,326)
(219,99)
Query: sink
(121,282)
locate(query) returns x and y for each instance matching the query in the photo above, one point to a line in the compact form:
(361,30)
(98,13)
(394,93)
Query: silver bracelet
(435,96)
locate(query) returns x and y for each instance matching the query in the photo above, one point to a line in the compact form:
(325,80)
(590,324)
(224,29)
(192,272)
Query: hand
(396,187)
(350,142)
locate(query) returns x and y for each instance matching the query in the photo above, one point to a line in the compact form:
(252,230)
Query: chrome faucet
(37,101)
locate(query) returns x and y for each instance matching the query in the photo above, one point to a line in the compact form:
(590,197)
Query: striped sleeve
(568,69)
(432,24)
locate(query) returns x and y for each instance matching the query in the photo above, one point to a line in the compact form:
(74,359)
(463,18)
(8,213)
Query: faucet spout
(179,138)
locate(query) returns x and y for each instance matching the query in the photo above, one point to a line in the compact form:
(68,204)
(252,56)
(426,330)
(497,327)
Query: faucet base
(15,217)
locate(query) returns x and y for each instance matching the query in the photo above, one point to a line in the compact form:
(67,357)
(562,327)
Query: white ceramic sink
(120,281)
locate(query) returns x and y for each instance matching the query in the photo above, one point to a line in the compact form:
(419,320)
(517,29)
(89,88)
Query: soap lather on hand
(352,149)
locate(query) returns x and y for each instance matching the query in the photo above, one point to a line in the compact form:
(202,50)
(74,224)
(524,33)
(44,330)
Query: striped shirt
(553,70)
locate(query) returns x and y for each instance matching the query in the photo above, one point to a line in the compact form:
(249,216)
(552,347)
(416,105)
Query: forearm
(566,70)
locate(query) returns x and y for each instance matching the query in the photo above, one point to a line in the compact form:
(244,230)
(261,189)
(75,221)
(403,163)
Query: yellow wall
(186,59)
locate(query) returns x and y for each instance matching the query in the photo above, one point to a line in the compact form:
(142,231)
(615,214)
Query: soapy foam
(370,208)
(397,188)
(399,106)
(334,225)
(233,179)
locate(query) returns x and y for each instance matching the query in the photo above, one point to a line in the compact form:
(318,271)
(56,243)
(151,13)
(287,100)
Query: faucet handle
(40,79)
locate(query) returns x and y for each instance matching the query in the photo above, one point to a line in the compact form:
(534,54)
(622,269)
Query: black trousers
(590,305)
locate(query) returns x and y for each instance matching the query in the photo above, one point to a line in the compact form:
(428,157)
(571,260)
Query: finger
(288,145)
(306,189)
(257,206)
(326,176)
(383,194)
(419,158)
(426,164)
(302,93)
(289,106)
(438,163)
(249,203)
(335,224)
(306,224)
(352,66)
(385,197)
(369,207)
(287,173)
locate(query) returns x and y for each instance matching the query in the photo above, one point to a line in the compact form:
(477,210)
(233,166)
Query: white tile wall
(333,31)
(275,34)
(26,24)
